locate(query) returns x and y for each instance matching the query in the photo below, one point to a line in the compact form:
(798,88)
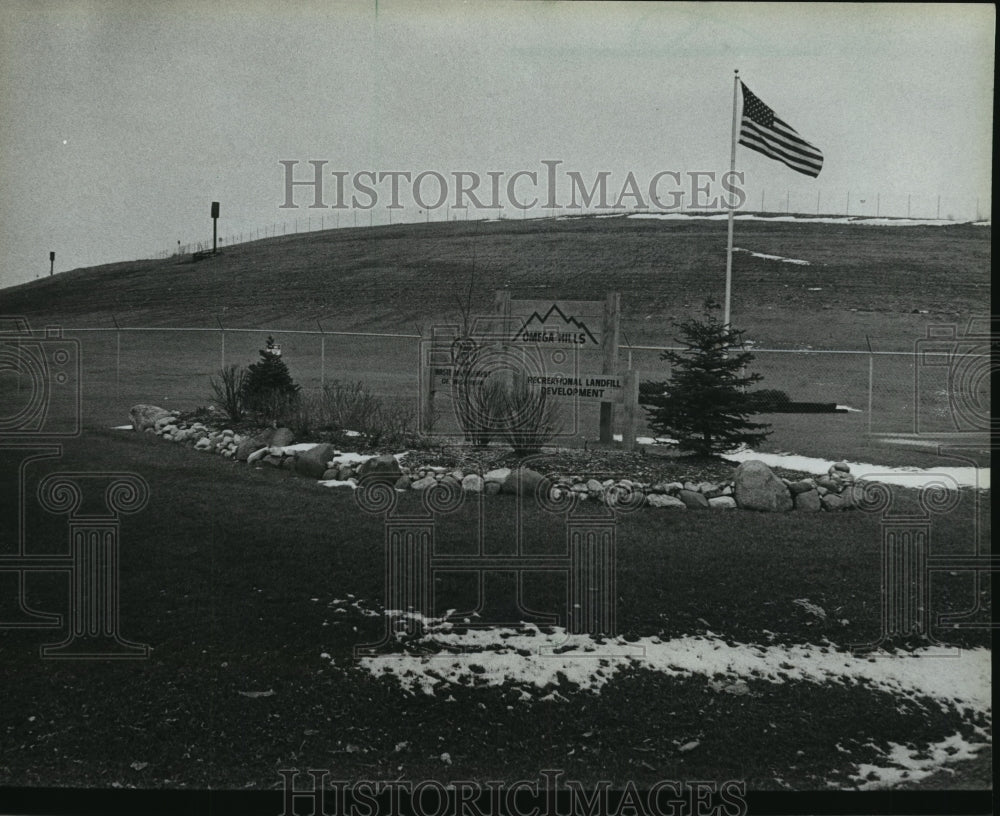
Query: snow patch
(902,476)
(906,764)
(774,258)
(787,219)
(530,659)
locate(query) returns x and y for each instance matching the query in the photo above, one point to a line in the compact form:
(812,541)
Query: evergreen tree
(268,388)
(703,405)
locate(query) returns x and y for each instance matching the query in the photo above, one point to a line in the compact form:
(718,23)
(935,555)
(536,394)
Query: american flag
(764,132)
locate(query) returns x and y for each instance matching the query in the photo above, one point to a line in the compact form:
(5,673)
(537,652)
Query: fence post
(871,380)
(609,337)
(322,356)
(118,356)
(630,400)
(222,335)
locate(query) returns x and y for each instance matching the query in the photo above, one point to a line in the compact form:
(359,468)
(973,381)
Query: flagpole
(732,170)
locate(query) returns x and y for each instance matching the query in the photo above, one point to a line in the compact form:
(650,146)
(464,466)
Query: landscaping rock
(332,474)
(802,486)
(164,422)
(841,467)
(757,488)
(831,501)
(283,437)
(202,444)
(144,416)
(808,501)
(257,455)
(663,500)
(828,484)
(722,503)
(500,475)
(384,469)
(313,463)
(473,483)
(523,481)
(692,499)
(249,444)
(402,483)
(423,484)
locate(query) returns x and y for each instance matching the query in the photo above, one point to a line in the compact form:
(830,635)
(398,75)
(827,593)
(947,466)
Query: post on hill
(52,263)
(215,225)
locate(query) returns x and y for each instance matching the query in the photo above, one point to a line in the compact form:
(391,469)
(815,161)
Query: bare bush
(228,390)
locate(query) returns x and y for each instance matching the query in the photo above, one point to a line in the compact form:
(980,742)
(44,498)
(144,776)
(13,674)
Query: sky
(121,121)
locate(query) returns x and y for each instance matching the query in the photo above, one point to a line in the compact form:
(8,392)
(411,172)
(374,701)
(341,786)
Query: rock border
(754,485)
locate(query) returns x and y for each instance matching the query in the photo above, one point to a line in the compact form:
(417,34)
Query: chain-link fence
(925,391)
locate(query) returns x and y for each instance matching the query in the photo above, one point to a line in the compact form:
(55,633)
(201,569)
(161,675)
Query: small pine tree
(268,388)
(703,405)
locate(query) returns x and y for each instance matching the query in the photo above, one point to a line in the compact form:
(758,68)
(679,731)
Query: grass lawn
(247,580)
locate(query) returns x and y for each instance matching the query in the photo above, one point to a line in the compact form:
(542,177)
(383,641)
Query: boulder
(332,475)
(164,422)
(828,483)
(757,488)
(809,501)
(202,444)
(282,438)
(692,499)
(384,468)
(345,472)
(250,443)
(499,476)
(801,486)
(831,501)
(403,483)
(258,454)
(841,467)
(313,463)
(722,503)
(523,481)
(145,416)
(473,483)
(663,500)
(424,483)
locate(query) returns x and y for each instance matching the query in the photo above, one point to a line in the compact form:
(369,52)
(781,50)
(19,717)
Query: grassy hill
(887,282)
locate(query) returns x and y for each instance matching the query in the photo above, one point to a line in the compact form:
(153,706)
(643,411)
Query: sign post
(610,330)
(52,263)
(215,224)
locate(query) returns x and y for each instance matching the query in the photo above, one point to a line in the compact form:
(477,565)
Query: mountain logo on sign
(571,330)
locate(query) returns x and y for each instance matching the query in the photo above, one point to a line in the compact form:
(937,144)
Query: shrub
(526,418)
(268,388)
(350,407)
(703,405)
(228,390)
